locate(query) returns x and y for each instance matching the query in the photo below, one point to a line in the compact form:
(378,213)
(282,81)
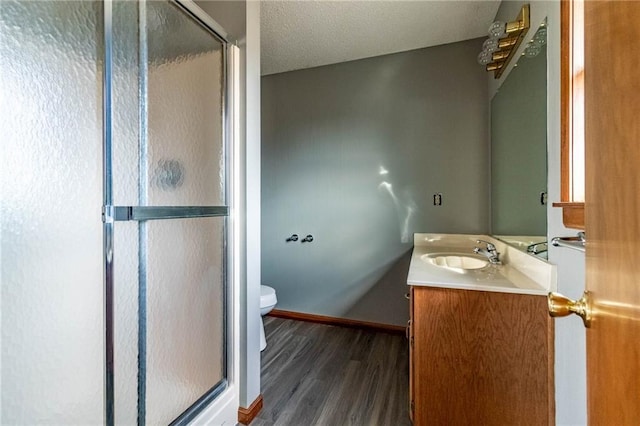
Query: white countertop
(520,273)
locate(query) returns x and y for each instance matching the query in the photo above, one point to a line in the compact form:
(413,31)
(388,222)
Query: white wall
(570,337)
(570,353)
(251,388)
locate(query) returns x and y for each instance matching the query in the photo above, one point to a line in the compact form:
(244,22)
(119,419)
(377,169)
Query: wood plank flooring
(322,375)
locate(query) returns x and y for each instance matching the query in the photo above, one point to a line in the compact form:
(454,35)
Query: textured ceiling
(309,33)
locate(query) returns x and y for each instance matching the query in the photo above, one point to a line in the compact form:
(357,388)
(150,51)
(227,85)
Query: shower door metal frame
(112,213)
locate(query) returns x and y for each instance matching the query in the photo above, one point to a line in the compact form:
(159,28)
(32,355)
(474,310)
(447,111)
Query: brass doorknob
(561,306)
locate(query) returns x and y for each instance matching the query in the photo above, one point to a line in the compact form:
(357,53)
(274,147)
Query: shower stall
(116,198)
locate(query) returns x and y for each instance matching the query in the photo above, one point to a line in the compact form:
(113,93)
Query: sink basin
(455,262)
(448,261)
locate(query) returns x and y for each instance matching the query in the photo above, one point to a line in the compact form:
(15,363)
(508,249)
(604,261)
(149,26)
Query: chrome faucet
(490,252)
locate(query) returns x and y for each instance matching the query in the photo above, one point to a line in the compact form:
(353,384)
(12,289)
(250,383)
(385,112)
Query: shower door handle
(140,213)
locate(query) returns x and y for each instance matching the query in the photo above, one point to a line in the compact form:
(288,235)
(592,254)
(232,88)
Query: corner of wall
(250,373)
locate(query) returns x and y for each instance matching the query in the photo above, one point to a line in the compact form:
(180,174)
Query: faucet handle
(490,246)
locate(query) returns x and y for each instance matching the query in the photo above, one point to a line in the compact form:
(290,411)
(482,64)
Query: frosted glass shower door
(51,241)
(169,211)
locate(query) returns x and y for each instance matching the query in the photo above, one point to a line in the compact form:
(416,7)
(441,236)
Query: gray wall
(329,135)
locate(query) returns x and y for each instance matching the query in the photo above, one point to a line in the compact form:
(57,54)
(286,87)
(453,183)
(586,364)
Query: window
(573,116)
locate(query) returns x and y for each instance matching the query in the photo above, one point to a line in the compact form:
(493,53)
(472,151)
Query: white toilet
(267,301)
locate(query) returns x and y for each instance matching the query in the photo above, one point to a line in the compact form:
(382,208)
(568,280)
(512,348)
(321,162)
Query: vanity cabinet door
(481,358)
(410,337)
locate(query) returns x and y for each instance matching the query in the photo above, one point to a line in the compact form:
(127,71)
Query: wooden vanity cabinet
(480,358)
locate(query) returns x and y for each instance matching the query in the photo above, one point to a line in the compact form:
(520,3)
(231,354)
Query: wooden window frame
(572,211)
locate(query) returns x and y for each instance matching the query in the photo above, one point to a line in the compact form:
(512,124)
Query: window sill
(572,214)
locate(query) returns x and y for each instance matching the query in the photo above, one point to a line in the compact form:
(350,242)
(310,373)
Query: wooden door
(612,104)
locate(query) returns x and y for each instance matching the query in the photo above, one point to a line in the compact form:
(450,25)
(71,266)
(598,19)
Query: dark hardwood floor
(314,374)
